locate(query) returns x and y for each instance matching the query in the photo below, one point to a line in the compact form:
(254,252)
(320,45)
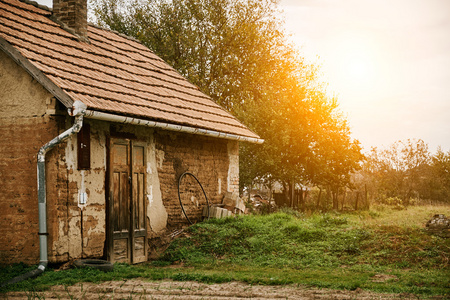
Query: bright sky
(387,60)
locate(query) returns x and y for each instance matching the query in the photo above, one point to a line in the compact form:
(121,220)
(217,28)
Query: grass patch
(382,251)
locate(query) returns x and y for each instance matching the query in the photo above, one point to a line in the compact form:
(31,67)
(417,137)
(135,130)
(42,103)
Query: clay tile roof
(112,73)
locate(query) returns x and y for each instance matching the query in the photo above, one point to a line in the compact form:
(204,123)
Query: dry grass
(412,217)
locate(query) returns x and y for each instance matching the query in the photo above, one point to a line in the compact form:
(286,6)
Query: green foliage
(395,202)
(339,251)
(330,240)
(276,240)
(237,52)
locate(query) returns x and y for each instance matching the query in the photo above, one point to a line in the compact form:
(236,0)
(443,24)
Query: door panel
(121,250)
(139,236)
(127,202)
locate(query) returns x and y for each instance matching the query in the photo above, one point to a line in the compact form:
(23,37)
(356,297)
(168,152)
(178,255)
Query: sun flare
(355,66)
(357,70)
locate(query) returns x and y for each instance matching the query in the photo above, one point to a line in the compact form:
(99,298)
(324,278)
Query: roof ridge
(37,5)
(53,19)
(44,7)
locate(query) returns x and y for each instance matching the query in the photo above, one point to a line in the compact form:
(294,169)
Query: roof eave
(92,114)
(68,102)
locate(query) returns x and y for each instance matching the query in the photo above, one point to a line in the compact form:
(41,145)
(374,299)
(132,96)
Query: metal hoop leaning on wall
(179,197)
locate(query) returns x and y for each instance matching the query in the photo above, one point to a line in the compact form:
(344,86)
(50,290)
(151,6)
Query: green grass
(340,251)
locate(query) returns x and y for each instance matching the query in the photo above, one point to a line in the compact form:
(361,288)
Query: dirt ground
(141,289)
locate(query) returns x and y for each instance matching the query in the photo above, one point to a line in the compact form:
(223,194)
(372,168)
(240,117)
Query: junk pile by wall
(233,205)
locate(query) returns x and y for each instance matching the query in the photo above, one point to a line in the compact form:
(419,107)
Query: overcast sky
(388,61)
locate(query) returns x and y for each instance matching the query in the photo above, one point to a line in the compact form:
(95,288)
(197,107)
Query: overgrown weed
(332,250)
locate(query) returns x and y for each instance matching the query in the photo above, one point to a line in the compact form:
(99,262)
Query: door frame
(109,207)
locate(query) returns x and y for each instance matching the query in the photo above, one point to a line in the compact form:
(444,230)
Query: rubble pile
(439,225)
(233,205)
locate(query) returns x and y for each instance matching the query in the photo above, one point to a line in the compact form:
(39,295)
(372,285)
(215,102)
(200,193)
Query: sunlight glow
(387,63)
(356,66)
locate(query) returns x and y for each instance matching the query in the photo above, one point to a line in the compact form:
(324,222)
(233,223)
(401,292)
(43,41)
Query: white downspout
(78,111)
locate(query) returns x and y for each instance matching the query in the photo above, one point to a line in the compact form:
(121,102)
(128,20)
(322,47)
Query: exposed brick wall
(60,207)
(206,158)
(21,140)
(28,120)
(233,169)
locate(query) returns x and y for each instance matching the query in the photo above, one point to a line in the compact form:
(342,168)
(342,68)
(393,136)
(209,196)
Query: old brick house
(119,126)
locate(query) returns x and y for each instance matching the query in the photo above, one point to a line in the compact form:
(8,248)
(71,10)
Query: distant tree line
(405,173)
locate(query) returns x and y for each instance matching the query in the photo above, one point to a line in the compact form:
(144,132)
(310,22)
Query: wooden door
(127,238)
(138,220)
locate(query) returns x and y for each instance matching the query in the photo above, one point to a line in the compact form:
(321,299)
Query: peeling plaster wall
(233,169)
(28,119)
(81,231)
(22,98)
(156,211)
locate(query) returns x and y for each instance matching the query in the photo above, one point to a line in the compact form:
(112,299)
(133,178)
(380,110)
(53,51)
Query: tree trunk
(305,196)
(356,201)
(300,198)
(335,199)
(329,197)
(318,199)
(286,199)
(292,190)
(270,195)
(343,198)
(366,196)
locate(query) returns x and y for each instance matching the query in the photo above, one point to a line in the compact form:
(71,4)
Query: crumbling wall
(79,230)
(28,119)
(215,162)
(233,170)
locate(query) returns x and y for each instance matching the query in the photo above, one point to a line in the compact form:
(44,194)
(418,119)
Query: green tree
(398,171)
(236,51)
(436,184)
(228,48)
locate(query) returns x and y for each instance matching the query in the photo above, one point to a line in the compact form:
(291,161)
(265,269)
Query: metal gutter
(91,114)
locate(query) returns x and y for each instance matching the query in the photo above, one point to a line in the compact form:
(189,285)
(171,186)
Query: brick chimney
(73,16)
